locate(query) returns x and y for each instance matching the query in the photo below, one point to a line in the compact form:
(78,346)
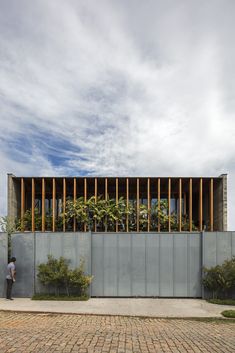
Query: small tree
(56,273)
(220,279)
(8,225)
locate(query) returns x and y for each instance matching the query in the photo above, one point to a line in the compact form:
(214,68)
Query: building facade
(194,203)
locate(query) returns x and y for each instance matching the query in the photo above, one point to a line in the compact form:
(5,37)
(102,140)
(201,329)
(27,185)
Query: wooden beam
(200,204)
(64,203)
(185,204)
(149,203)
(74,200)
(106,198)
(169,204)
(180,205)
(116,201)
(53,204)
(190,204)
(127,204)
(106,189)
(33,205)
(43,204)
(137,205)
(96,188)
(85,199)
(159,202)
(211,205)
(22,209)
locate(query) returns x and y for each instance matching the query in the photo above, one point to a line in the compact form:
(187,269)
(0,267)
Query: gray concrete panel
(138,265)
(217,247)
(23,250)
(224,248)
(194,265)
(166,265)
(110,265)
(97,250)
(152,265)
(209,245)
(180,266)
(3,262)
(233,243)
(124,265)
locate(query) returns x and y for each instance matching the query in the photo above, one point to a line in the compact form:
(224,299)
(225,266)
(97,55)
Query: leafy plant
(105,214)
(56,273)
(8,225)
(220,279)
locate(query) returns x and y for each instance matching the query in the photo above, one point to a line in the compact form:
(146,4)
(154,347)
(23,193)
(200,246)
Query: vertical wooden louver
(190,203)
(200,205)
(43,205)
(137,205)
(95,200)
(149,203)
(85,199)
(159,203)
(106,198)
(116,201)
(33,205)
(127,204)
(53,204)
(180,205)
(169,204)
(74,200)
(64,203)
(22,211)
(211,205)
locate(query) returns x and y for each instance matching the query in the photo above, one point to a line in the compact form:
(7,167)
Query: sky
(117,88)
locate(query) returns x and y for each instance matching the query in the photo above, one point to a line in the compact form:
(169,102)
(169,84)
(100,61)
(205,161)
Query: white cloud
(139,88)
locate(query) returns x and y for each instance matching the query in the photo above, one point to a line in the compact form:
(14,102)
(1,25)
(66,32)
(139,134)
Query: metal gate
(146,265)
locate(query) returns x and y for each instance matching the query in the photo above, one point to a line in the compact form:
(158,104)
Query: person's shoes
(9,299)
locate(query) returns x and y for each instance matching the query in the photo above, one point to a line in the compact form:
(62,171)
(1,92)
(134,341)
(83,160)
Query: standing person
(11,273)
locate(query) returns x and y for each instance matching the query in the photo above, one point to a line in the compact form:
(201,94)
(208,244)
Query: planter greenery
(55,274)
(105,214)
(62,297)
(222,301)
(220,280)
(229,314)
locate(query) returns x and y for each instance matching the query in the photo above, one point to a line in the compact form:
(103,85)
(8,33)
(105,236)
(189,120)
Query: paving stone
(43,333)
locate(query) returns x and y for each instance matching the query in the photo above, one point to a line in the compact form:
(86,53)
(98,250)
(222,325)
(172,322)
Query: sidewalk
(143,307)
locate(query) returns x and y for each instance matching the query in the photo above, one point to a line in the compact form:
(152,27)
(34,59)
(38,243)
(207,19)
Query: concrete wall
(3,262)
(31,249)
(13,197)
(220,204)
(217,247)
(123,264)
(146,264)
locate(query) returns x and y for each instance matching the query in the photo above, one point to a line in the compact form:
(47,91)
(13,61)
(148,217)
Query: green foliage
(229,313)
(222,301)
(27,221)
(8,225)
(62,297)
(106,214)
(220,279)
(57,274)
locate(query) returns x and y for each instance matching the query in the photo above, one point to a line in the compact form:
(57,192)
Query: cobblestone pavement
(39,333)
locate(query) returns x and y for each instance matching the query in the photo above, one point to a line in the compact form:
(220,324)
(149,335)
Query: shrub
(56,273)
(220,279)
(229,313)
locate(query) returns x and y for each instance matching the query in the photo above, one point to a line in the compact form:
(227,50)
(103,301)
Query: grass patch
(59,297)
(222,301)
(229,313)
